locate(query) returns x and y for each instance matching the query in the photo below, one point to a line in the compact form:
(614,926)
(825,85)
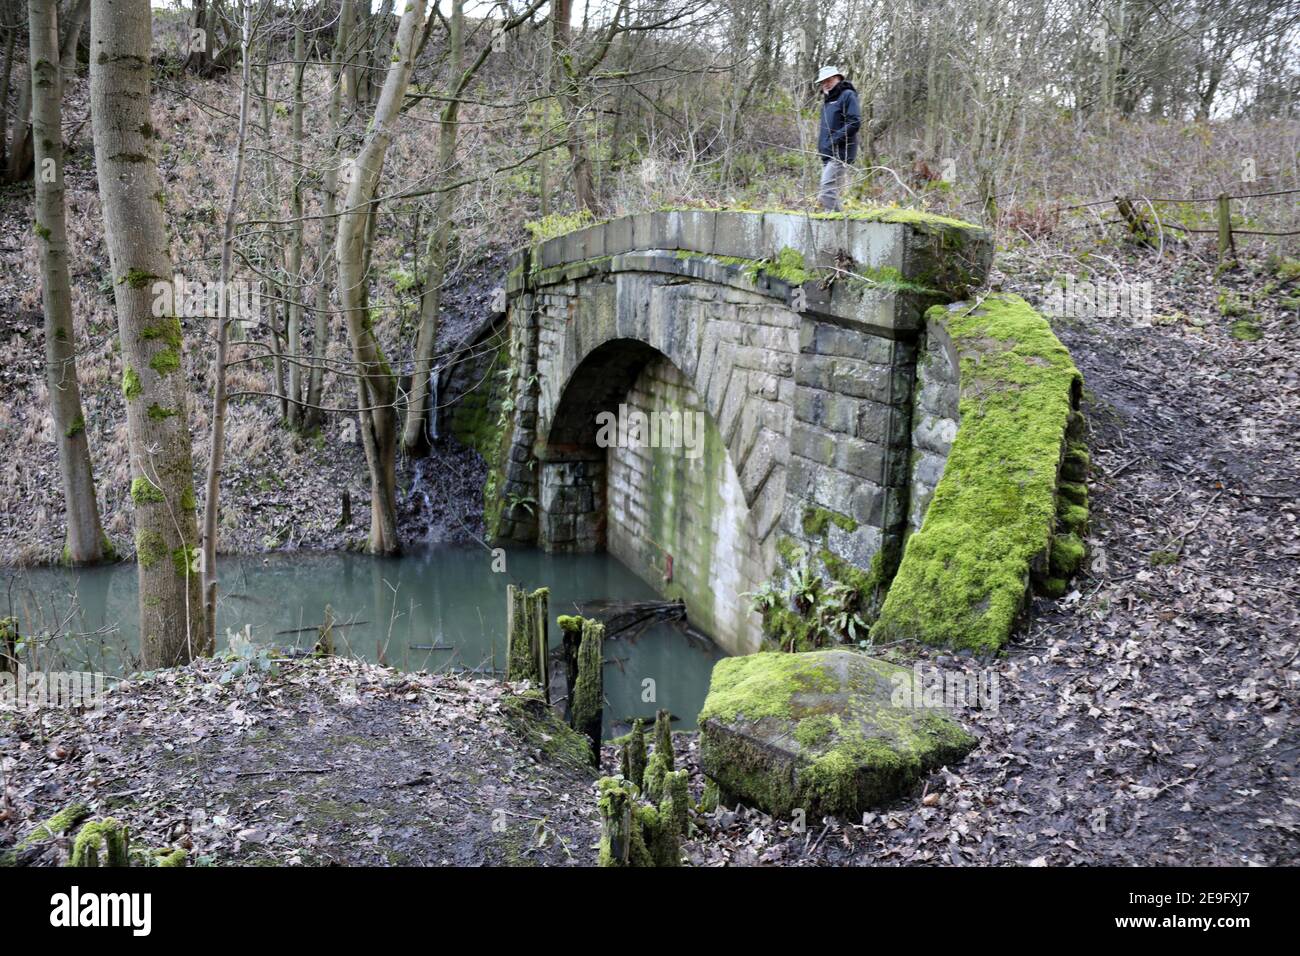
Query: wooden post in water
(527,617)
(571,634)
(588,695)
(539,614)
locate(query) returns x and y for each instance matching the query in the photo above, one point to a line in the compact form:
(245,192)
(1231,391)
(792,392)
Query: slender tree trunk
(417,411)
(201,51)
(20,142)
(4,95)
(377,384)
(72,37)
(293,264)
(171,608)
(328,230)
(85,538)
(212,499)
(579,160)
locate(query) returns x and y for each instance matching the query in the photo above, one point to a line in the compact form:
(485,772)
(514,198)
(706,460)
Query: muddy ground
(323,762)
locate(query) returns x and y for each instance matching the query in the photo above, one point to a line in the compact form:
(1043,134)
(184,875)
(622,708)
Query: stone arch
(796,335)
(670,506)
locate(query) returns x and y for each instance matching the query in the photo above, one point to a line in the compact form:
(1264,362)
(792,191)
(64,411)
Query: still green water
(438,609)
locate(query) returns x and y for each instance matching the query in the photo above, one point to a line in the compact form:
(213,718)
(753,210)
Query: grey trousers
(834,173)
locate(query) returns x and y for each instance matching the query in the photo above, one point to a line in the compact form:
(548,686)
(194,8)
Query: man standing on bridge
(837,137)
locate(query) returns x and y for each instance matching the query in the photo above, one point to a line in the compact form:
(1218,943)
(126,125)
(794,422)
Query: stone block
(826,732)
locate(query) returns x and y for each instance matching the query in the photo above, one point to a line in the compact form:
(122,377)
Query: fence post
(1226,250)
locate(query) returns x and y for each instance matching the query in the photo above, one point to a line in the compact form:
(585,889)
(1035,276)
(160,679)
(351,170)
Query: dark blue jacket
(837,138)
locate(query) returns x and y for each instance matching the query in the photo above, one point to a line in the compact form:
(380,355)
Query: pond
(443,608)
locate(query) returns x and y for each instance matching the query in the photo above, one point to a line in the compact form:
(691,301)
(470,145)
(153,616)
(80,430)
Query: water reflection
(437,609)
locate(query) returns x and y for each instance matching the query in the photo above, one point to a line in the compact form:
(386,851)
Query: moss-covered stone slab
(993,519)
(821,732)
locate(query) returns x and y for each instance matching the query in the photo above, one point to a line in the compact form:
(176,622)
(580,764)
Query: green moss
(144,491)
(816,521)
(168,857)
(789,550)
(813,730)
(1068,552)
(43,232)
(963,575)
(138,278)
(1244,330)
(854,748)
(529,717)
(1072,517)
(1053,587)
(77,426)
(558,224)
(150,548)
(57,825)
(130,383)
(101,843)
(1158,558)
(167,330)
(186,561)
(158,413)
(165,361)
(761,685)
(1074,492)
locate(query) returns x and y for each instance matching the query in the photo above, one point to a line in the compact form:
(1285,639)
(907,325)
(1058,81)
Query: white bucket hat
(827,72)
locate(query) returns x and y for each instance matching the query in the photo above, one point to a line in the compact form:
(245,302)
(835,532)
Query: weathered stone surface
(820,732)
(598,318)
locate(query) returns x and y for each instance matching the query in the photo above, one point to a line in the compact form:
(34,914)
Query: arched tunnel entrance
(634,464)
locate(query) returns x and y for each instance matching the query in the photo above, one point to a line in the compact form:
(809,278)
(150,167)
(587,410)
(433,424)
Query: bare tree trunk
(72,37)
(377,384)
(171,609)
(293,263)
(579,160)
(85,536)
(10,34)
(212,499)
(417,412)
(20,140)
(200,55)
(328,230)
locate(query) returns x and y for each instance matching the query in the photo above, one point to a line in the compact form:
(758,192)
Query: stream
(439,608)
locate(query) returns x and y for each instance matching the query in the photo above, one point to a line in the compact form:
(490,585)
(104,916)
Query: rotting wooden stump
(101,843)
(587,701)
(664,736)
(571,638)
(633,833)
(634,754)
(527,622)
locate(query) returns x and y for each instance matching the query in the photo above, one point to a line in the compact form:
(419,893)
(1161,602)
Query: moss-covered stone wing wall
(1006,510)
